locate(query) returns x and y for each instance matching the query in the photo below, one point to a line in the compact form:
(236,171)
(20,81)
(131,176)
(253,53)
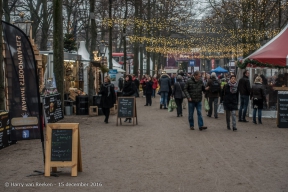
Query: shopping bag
(172,105)
(206,104)
(170,108)
(220,108)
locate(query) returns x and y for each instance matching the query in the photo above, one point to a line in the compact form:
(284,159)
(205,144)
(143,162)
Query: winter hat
(258,79)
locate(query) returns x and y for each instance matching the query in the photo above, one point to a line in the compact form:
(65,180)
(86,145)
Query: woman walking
(129,89)
(177,94)
(258,97)
(155,85)
(149,91)
(230,98)
(108,98)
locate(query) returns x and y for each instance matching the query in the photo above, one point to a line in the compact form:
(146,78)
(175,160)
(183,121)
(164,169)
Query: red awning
(275,52)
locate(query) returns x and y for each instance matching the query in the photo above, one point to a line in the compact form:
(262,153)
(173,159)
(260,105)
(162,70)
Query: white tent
(114,62)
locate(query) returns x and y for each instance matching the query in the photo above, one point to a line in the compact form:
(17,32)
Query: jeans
(211,101)
(153,93)
(179,105)
(148,99)
(192,106)
(244,100)
(259,114)
(164,96)
(233,114)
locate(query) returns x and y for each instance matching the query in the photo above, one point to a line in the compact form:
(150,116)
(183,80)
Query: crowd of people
(222,89)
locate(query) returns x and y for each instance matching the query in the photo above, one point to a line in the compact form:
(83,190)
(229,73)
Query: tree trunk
(45,28)
(136,44)
(124,37)
(110,36)
(58,44)
(2,75)
(93,47)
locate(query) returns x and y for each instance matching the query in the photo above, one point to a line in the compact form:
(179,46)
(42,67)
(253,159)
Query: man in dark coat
(165,87)
(244,90)
(214,90)
(193,90)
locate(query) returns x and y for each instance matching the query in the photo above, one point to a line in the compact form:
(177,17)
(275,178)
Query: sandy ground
(159,154)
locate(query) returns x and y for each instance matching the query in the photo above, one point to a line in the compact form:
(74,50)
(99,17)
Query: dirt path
(160,154)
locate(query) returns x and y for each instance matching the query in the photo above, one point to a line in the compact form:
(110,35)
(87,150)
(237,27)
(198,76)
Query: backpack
(215,86)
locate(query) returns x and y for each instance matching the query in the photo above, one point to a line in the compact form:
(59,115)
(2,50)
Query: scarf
(107,85)
(233,87)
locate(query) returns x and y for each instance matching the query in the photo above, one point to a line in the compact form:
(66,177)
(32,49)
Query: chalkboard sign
(282,109)
(126,107)
(61,145)
(53,108)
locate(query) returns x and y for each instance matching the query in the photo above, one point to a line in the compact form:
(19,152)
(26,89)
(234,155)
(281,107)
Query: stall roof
(275,52)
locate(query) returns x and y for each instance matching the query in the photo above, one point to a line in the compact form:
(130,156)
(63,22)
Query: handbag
(206,104)
(220,108)
(183,94)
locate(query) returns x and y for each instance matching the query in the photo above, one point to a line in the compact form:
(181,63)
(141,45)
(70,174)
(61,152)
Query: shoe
(184,107)
(177,115)
(126,120)
(201,128)
(245,121)
(208,115)
(228,127)
(234,129)
(181,115)
(216,117)
(106,121)
(160,106)
(165,108)
(129,121)
(255,122)
(146,105)
(192,128)
(240,120)
(260,122)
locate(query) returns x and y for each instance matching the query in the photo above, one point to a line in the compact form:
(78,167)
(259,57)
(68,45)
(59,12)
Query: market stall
(271,63)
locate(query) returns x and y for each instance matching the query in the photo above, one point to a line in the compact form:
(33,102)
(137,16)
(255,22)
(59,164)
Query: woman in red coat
(154,86)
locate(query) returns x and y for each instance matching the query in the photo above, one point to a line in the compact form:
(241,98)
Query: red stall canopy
(275,52)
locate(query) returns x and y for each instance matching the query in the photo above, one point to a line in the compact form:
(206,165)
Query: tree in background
(70,43)
(58,53)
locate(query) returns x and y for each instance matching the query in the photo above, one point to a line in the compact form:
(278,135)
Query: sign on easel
(282,116)
(63,147)
(127,109)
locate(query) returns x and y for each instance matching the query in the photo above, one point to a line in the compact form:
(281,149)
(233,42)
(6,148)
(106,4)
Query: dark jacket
(120,83)
(129,88)
(244,86)
(165,83)
(177,90)
(108,99)
(230,100)
(210,84)
(258,91)
(136,82)
(193,89)
(149,87)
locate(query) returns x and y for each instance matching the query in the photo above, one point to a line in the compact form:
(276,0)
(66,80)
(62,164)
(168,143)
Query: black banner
(52,108)
(23,88)
(282,109)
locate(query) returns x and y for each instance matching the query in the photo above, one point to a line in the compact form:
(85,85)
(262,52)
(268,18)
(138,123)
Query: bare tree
(2,75)
(58,46)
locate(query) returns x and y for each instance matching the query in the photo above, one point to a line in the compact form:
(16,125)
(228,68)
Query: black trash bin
(82,105)
(97,102)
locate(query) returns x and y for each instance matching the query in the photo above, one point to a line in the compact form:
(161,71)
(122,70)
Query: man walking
(193,90)
(165,87)
(214,90)
(244,89)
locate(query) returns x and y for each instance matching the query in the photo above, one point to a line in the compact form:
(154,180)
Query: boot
(259,121)
(126,120)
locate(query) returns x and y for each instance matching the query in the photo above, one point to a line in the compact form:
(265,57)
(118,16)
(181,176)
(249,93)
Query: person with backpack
(214,91)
